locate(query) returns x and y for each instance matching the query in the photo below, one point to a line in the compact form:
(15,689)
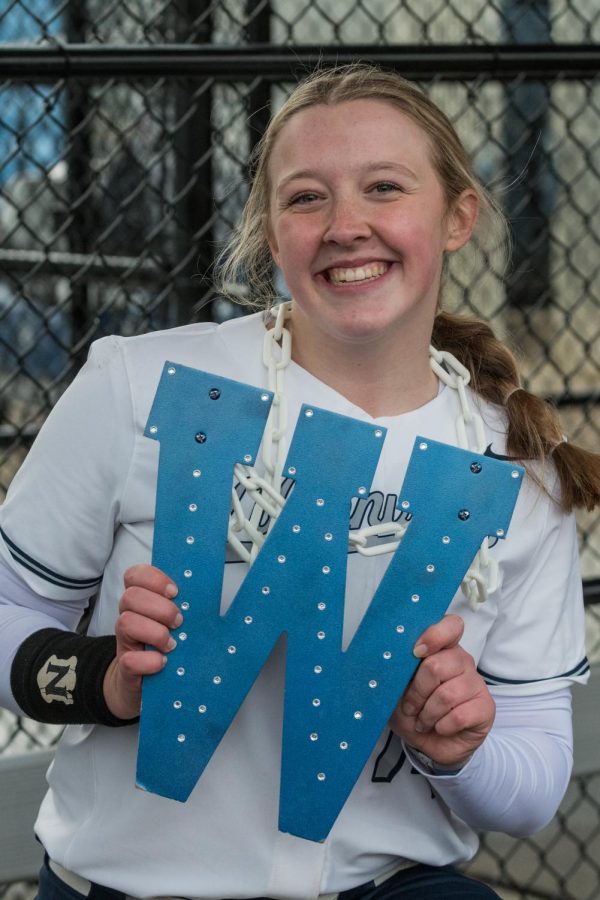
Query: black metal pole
(529,204)
(502,62)
(258,32)
(194,176)
(81,200)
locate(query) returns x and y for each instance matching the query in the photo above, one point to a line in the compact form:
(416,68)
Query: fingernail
(178,620)
(408,709)
(171,590)
(420,728)
(165,660)
(172,644)
(420,650)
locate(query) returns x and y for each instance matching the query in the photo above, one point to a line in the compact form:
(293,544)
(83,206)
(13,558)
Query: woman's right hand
(146,615)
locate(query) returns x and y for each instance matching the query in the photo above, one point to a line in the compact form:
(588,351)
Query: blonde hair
(246,257)
(533,427)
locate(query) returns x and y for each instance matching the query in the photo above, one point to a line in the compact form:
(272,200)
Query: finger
(433,671)
(151,578)
(445,633)
(134,664)
(134,631)
(152,605)
(476,716)
(447,696)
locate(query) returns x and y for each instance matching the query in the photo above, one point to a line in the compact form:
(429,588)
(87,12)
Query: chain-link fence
(125,129)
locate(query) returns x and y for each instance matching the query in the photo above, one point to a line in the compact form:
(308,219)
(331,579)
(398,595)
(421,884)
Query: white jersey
(81,511)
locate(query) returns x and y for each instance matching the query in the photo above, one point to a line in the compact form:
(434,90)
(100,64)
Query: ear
(273,246)
(461,219)
(274,251)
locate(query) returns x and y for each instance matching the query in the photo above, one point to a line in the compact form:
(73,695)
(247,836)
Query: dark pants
(430,882)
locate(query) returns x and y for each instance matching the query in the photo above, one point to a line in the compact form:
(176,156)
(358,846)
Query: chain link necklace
(265,491)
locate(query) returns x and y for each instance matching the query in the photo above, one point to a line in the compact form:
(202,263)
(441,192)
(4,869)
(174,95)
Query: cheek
(296,244)
(423,243)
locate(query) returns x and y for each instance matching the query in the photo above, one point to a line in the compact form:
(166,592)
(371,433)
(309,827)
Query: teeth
(360,273)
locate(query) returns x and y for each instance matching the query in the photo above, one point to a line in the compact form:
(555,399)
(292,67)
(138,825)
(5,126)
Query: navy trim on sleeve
(580,669)
(28,562)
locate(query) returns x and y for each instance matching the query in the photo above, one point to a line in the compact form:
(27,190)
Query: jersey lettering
(337,701)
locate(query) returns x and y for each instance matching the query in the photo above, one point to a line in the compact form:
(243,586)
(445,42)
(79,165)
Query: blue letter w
(337,702)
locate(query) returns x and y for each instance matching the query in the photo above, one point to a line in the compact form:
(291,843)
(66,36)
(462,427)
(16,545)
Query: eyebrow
(380,165)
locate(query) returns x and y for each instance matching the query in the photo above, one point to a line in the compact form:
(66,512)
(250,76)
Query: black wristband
(58,676)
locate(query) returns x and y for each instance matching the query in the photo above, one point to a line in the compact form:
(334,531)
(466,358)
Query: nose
(347,222)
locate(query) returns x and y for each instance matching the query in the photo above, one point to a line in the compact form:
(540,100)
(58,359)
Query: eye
(303,198)
(386,187)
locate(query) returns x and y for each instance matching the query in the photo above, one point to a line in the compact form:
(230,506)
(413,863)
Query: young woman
(361,191)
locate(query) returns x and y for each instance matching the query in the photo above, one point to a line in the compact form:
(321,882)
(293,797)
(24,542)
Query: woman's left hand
(446,711)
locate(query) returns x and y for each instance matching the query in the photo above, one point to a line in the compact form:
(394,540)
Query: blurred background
(125,130)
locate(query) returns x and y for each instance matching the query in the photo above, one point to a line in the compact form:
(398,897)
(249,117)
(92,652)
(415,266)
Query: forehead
(351,131)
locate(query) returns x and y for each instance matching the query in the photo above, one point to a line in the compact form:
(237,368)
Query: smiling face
(358,223)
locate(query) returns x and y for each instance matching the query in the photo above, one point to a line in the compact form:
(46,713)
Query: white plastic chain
(264,492)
